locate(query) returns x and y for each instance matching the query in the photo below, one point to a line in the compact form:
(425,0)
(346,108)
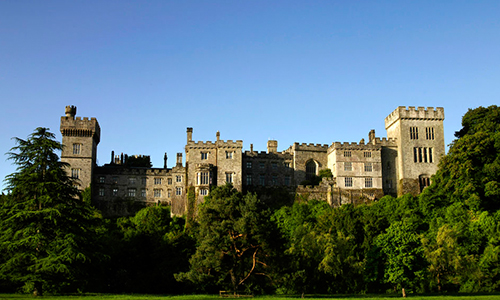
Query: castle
(399,164)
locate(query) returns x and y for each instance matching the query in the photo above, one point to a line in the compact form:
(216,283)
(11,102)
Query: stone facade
(399,164)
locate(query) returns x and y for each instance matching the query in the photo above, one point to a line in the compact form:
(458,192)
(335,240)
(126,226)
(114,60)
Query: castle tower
(80,138)
(419,137)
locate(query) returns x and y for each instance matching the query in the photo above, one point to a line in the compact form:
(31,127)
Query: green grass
(211,297)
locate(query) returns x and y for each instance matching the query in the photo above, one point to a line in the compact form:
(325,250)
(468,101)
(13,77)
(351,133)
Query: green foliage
(233,242)
(48,233)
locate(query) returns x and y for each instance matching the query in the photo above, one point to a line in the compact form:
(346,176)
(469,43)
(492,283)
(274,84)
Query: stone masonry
(401,163)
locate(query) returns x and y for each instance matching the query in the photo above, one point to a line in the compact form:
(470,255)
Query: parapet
(211,145)
(412,113)
(310,147)
(71,126)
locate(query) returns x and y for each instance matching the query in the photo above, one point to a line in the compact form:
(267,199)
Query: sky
(292,71)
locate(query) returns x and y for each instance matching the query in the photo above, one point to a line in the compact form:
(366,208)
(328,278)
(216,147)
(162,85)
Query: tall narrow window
(429,133)
(229,154)
(229,177)
(249,179)
(414,133)
(262,179)
(287,179)
(204,155)
(430,155)
(203,178)
(75,173)
(77,148)
(178,191)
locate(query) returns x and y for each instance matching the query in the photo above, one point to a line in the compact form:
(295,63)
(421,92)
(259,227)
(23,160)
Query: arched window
(311,169)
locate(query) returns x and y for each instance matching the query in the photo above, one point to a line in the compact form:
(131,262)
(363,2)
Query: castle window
(424,182)
(347,153)
(178,191)
(287,179)
(229,177)
(287,165)
(203,192)
(102,179)
(204,155)
(131,192)
(143,193)
(75,173)
(368,167)
(203,178)
(249,179)
(77,148)
(367,154)
(348,182)
(144,180)
(348,166)
(157,193)
(115,191)
(157,181)
(368,182)
(422,155)
(169,181)
(262,165)
(262,179)
(169,193)
(274,165)
(249,164)
(115,179)
(275,180)
(413,133)
(178,178)
(131,180)
(429,133)
(229,154)
(101,192)
(310,169)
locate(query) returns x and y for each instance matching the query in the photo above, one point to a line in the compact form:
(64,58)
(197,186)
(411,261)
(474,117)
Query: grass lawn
(210,297)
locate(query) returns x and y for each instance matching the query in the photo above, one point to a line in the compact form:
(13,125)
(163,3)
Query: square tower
(419,136)
(80,138)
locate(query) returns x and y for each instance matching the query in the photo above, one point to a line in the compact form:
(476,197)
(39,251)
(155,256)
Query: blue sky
(294,71)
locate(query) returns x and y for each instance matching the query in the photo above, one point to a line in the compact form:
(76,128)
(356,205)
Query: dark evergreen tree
(48,232)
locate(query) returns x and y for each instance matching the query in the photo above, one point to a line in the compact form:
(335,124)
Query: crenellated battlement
(80,127)
(310,147)
(217,144)
(412,113)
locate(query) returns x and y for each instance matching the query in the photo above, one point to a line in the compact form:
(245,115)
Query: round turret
(70,111)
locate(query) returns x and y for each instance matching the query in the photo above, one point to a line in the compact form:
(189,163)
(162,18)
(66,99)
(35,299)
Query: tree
(233,241)
(47,230)
(403,253)
(470,173)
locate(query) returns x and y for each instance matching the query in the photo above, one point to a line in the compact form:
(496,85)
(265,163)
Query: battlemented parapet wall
(410,113)
(314,155)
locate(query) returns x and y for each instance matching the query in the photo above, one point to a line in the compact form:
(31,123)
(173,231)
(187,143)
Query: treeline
(445,240)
